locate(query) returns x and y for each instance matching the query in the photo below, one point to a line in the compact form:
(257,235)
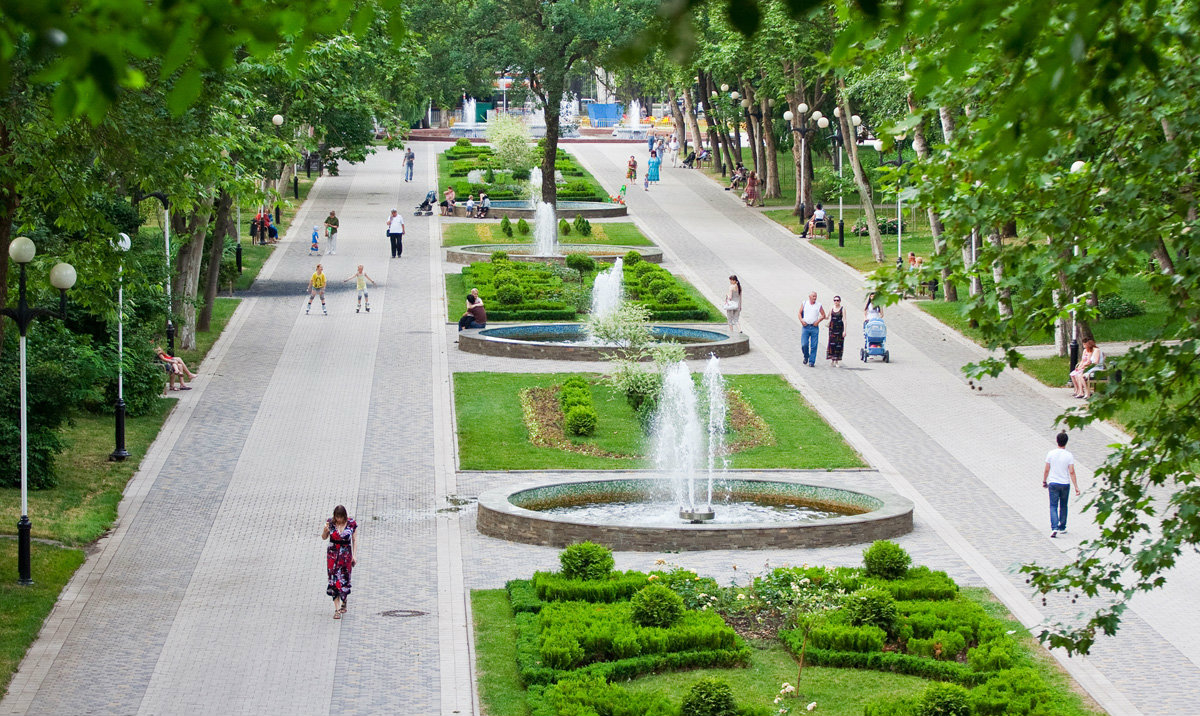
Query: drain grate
(403,613)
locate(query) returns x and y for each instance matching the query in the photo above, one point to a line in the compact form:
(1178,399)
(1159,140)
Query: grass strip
(25,608)
(496,654)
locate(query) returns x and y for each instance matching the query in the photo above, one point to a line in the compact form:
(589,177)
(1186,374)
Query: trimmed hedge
(522,596)
(590,693)
(885,661)
(554,587)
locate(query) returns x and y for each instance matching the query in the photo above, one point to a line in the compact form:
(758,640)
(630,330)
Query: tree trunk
(186,282)
(689,117)
(770,153)
(552,91)
(1003,294)
(970,249)
(860,177)
(949,290)
(678,120)
(216,251)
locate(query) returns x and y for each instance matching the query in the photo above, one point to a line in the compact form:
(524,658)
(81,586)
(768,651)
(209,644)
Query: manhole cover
(402,613)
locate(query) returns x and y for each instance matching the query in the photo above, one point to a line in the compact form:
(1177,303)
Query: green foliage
(886,559)
(872,606)
(581,262)
(695,591)
(847,638)
(586,560)
(582,226)
(628,326)
(506,225)
(520,174)
(709,696)
(942,645)
(1116,306)
(522,227)
(656,606)
(522,596)
(614,587)
(509,295)
(559,651)
(926,618)
(489,175)
(571,397)
(944,700)
(632,258)
(921,583)
(498,256)
(883,661)
(462,142)
(510,141)
(891,706)
(1014,692)
(588,694)
(564,229)
(581,420)
(668,295)
(994,655)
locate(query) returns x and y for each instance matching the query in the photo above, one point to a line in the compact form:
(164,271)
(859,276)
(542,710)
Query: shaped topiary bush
(522,227)
(564,229)
(886,559)
(581,420)
(668,296)
(872,606)
(506,226)
(508,294)
(709,696)
(583,227)
(586,560)
(656,606)
(581,263)
(499,256)
(462,142)
(1013,692)
(632,258)
(944,700)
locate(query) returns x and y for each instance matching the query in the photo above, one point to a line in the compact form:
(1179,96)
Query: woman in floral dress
(340,558)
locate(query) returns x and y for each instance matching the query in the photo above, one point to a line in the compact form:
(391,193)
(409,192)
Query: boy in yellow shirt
(360,283)
(316,286)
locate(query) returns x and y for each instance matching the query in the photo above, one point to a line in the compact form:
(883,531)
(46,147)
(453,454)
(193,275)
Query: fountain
(632,128)
(650,514)
(469,126)
(607,290)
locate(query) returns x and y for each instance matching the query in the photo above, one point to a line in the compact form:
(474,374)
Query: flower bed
(505,183)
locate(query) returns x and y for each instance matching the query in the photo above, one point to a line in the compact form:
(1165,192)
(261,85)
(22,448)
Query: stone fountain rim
(483,343)
(498,517)
(467,253)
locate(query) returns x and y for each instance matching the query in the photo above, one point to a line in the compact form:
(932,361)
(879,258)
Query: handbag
(731,305)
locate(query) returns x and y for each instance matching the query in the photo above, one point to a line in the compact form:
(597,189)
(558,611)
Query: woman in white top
(1091,361)
(872,309)
(733,306)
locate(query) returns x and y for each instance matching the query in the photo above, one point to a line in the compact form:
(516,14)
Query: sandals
(337,614)
(185,387)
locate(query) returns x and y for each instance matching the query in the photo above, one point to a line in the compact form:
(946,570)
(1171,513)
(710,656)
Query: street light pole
(120,453)
(62,277)
(899,162)
(803,130)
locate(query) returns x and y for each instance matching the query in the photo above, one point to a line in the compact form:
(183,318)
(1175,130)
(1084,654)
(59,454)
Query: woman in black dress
(837,332)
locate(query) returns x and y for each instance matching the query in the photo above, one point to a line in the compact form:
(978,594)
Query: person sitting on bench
(818,220)
(485,205)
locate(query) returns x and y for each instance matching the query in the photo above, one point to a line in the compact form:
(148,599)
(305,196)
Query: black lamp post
(62,277)
(803,129)
(119,453)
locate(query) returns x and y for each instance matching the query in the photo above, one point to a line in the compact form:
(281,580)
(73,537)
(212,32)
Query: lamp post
(166,204)
(803,130)
(899,162)
(62,277)
(839,139)
(119,453)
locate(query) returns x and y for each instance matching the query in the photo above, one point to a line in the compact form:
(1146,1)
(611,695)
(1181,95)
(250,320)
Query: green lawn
(493,436)
(619,233)
(445,180)
(496,654)
(1053,371)
(25,608)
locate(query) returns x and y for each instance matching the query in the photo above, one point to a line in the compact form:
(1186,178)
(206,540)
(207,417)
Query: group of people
(475,210)
(263,229)
(476,315)
(812,314)
(316,289)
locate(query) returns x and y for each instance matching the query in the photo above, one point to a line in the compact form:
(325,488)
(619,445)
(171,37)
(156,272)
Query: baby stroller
(874,340)
(426,206)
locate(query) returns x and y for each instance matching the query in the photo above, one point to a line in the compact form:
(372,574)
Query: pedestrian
(315,248)
(652,169)
(674,149)
(811,314)
(331,229)
(340,557)
(631,169)
(837,332)
(395,232)
(733,305)
(752,189)
(476,315)
(360,284)
(316,286)
(409,160)
(651,141)
(1058,478)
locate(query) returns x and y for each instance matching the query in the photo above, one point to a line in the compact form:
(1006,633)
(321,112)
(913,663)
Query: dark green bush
(921,583)
(872,606)
(942,645)
(885,661)
(886,559)
(583,227)
(847,638)
(508,294)
(506,226)
(891,706)
(576,381)
(582,263)
(995,655)
(522,596)
(668,295)
(490,176)
(499,256)
(944,700)
(616,587)
(640,268)
(656,606)
(462,142)
(581,420)
(709,696)
(659,284)
(591,694)
(925,618)
(522,227)
(559,651)
(632,258)
(586,560)
(1117,306)
(564,229)
(1013,692)
(520,174)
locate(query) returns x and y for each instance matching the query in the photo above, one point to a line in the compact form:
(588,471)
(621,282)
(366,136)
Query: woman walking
(752,190)
(631,169)
(652,167)
(837,332)
(733,305)
(340,558)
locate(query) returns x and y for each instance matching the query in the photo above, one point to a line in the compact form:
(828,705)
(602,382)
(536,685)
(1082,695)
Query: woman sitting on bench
(1090,362)
(176,369)
(819,220)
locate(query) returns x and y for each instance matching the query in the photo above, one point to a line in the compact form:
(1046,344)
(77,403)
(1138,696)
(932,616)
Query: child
(470,205)
(360,283)
(315,249)
(316,285)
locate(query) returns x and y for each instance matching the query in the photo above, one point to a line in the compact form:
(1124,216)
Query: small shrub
(709,696)
(668,296)
(586,560)
(560,651)
(1116,306)
(462,142)
(891,706)
(943,645)
(872,606)
(564,229)
(658,284)
(520,174)
(522,227)
(576,381)
(632,258)
(508,294)
(581,262)
(583,227)
(944,700)
(506,226)
(570,397)
(995,655)
(499,256)
(490,176)
(581,420)
(656,606)
(886,559)
(1013,692)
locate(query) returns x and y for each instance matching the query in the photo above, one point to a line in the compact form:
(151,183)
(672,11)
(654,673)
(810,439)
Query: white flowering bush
(510,141)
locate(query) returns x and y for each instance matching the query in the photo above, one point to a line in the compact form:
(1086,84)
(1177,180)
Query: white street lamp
(62,276)
(277,120)
(724,88)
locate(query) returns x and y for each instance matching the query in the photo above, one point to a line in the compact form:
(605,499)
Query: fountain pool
(569,341)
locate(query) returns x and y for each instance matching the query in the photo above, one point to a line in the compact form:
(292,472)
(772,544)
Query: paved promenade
(208,597)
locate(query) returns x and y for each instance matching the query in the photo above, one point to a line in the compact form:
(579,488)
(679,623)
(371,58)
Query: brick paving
(209,594)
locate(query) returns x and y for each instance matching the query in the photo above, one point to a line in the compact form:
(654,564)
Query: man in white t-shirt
(1058,477)
(395,232)
(811,314)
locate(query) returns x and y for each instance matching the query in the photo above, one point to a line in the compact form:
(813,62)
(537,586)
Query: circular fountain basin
(520,209)
(607,253)
(569,341)
(752,514)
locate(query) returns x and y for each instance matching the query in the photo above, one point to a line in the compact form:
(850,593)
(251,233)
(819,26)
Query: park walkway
(209,594)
